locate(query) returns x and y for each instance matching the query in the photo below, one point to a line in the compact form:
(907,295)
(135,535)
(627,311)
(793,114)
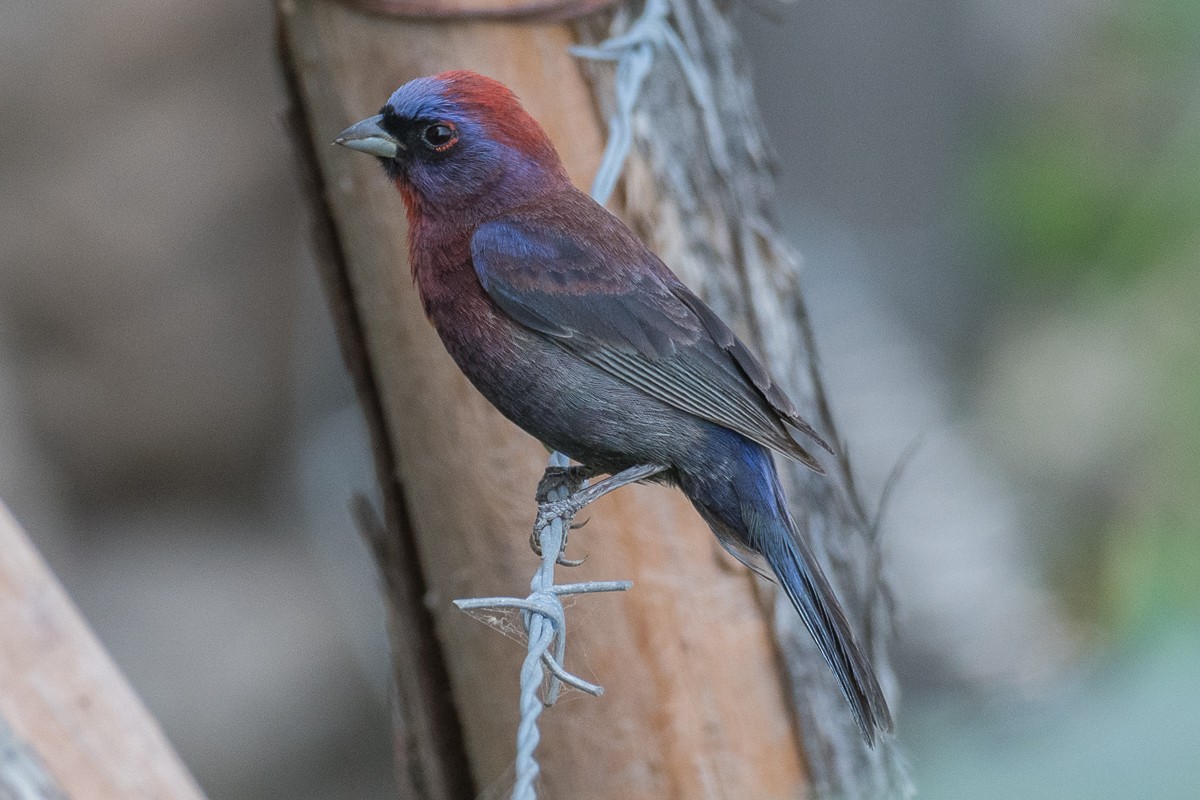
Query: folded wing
(603,296)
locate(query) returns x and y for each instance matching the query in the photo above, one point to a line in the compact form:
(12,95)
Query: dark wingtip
(806,458)
(796,423)
(787,444)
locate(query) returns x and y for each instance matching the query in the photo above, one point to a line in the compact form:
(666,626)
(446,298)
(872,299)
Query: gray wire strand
(543,615)
(542,611)
(634,52)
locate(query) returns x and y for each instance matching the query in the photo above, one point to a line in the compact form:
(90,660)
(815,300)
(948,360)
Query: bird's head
(458,140)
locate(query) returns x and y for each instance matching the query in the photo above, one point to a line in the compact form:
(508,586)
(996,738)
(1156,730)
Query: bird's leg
(549,510)
(569,478)
(625,477)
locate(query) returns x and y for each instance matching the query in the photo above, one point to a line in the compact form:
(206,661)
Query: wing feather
(603,296)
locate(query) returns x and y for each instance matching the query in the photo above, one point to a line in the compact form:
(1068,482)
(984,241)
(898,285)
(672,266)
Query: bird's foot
(572,479)
(548,512)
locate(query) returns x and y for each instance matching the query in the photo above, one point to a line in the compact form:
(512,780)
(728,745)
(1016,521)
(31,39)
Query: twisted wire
(542,611)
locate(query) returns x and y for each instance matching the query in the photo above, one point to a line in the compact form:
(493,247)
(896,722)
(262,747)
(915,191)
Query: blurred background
(999,207)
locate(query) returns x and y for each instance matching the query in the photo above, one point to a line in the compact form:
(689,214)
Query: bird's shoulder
(565,266)
(566,241)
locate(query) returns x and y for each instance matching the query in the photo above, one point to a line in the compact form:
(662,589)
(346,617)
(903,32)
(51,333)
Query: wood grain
(66,700)
(695,706)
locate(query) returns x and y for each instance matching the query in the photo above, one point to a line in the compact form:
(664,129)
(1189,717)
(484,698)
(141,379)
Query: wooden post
(695,704)
(74,727)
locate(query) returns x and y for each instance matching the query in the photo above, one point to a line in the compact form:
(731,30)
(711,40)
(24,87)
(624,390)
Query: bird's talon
(556,509)
(548,512)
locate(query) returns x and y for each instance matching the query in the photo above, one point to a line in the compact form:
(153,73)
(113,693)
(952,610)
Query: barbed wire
(561,495)
(545,624)
(634,52)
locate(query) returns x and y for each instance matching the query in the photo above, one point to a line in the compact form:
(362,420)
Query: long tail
(806,586)
(744,504)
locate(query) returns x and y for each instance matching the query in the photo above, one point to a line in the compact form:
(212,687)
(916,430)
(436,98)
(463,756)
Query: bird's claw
(562,559)
(548,512)
(572,480)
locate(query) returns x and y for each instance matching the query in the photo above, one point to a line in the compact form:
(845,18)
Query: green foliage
(1153,551)
(1089,190)
(1099,174)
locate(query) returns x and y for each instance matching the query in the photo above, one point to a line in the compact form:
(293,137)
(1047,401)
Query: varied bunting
(570,326)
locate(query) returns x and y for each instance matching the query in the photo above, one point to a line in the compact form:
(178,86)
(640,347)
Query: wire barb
(561,495)
(563,492)
(634,52)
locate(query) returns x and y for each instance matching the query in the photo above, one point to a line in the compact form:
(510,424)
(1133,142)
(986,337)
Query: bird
(573,329)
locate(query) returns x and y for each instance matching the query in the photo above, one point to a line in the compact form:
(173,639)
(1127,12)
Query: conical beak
(368,137)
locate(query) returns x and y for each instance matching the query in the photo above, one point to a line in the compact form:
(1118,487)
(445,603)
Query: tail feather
(806,586)
(736,489)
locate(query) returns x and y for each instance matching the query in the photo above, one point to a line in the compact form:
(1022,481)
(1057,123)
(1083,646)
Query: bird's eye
(440,136)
